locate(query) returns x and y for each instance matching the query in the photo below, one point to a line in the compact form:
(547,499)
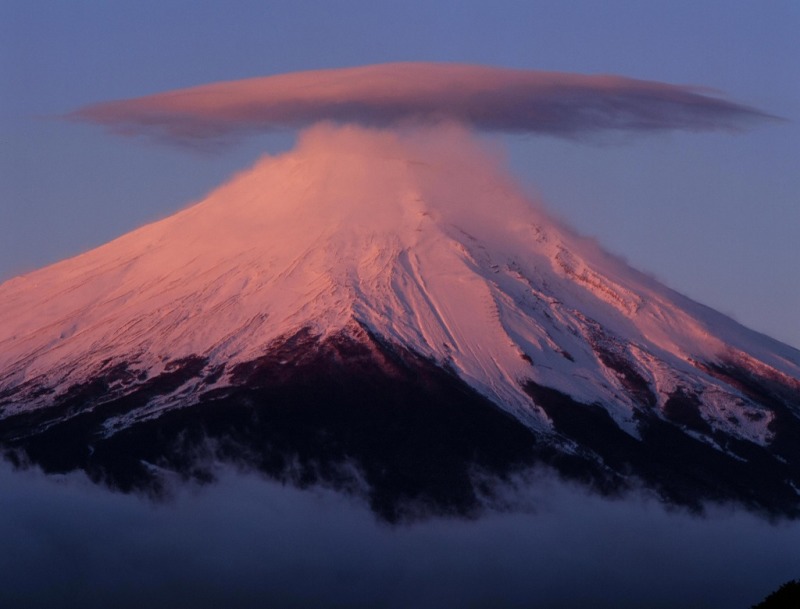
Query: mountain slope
(414,247)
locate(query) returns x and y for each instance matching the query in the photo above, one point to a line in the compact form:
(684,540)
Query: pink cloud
(495,99)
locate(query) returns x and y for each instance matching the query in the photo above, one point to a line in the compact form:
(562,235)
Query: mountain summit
(390,313)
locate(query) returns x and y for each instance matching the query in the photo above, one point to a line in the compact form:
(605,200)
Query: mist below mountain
(250,542)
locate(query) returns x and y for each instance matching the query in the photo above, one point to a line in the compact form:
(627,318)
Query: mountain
(391,315)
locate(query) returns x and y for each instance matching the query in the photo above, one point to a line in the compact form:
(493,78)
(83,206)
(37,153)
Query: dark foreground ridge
(367,417)
(785,597)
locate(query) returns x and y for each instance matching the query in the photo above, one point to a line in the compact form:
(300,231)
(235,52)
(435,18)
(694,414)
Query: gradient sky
(714,215)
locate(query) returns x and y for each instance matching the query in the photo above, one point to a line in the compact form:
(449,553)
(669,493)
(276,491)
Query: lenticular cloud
(493,99)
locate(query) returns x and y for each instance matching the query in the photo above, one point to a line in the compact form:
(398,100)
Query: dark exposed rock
(329,412)
(363,415)
(682,468)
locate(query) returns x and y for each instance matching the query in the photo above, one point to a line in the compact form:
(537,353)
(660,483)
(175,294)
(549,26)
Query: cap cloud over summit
(486,98)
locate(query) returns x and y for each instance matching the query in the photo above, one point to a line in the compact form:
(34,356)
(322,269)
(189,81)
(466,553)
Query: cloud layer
(247,542)
(494,99)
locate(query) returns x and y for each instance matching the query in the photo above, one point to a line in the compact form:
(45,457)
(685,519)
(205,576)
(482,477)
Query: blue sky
(714,215)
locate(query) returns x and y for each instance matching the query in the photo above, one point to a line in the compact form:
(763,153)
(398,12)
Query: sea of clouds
(250,542)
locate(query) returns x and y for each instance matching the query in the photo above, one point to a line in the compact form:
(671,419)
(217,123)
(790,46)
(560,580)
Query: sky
(714,215)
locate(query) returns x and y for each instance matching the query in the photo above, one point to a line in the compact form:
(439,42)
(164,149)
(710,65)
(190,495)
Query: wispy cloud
(494,99)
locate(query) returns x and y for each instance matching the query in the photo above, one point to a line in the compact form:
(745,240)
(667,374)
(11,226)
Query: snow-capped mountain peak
(417,240)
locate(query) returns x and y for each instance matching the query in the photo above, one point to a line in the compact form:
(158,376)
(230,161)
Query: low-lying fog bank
(249,542)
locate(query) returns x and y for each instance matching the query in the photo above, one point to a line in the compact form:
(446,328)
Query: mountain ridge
(422,243)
